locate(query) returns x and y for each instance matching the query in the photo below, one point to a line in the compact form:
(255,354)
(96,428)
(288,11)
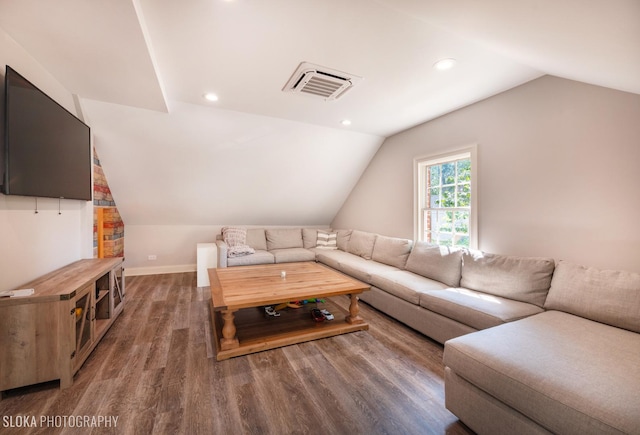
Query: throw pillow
(236,240)
(327,240)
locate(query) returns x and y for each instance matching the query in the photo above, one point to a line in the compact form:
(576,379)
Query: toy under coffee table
(239,294)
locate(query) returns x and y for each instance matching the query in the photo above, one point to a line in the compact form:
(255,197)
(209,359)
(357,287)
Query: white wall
(33,244)
(173,245)
(558,173)
(178,177)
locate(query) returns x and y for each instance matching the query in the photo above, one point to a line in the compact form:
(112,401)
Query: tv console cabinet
(48,335)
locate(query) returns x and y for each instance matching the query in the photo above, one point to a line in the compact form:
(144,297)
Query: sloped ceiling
(259,155)
(96,49)
(203,166)
(596,42)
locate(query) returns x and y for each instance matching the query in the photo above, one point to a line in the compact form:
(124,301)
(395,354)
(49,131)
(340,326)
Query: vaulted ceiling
(260,155)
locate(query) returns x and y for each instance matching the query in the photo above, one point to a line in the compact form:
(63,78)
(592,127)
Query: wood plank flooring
(155,370)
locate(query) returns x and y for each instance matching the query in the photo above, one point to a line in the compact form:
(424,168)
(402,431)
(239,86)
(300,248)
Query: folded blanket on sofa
(236,240)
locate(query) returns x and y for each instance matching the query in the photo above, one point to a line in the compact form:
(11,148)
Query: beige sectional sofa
(573,369)
(271,246)
(531,346)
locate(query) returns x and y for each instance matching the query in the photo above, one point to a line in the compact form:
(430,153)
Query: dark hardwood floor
(155,371)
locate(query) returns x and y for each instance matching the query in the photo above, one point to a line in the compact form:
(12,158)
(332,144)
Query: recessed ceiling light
(210,96)
(444,64)
(345,122)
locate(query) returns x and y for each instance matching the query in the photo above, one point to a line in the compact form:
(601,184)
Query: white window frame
(419,183)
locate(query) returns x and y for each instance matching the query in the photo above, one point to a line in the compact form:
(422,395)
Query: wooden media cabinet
(48,335)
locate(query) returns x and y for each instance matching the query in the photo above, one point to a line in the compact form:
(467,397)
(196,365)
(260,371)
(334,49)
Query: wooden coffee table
(238,294)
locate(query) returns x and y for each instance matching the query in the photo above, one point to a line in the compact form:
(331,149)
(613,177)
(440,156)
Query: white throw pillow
(327,240)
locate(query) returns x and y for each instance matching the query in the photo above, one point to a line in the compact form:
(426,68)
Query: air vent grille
(320,81)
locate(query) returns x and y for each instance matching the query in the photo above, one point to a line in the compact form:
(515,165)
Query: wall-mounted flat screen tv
(47,149)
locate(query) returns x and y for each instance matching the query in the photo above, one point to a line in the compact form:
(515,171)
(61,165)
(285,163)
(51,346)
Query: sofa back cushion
(256,238)
(391,251)
(284,238)
(606,296)
(361,243)
(343,239)
(525,279)
(440,263)
(309,237)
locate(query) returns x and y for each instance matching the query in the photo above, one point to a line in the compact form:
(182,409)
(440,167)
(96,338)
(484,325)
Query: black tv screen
(47,149)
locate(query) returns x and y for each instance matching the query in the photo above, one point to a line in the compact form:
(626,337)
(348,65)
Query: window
(445,200)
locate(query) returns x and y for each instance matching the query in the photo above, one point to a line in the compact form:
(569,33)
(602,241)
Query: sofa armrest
(222,253)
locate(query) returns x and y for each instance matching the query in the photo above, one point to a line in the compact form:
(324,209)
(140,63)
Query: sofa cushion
(391,250)
(607,296)
(361,243)
(256,238)
(291,255)
(362,269)
(309,237)
(475,309)
(331,258)
(343,239)
(441,263)
(556,369)
(525,279)
(403,284)
(260,257)
(351,264)
(284,238)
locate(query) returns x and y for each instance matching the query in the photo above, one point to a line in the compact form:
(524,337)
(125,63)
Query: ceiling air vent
(320,81)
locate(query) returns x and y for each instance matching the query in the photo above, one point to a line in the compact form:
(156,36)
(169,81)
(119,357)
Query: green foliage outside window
(449,202)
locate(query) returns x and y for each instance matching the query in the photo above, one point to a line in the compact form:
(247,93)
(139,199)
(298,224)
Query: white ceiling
(141,67)
(96,49)
(129,51)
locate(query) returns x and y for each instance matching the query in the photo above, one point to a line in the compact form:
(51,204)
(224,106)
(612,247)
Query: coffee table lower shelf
(257,332)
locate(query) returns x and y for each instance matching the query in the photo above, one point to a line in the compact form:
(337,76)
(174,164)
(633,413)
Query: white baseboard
(159,270)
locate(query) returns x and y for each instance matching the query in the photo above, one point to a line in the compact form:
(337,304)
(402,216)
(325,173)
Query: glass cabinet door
(118,289)
(83,322)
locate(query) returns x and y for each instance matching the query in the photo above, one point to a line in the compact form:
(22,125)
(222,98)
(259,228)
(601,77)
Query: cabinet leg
(66,380)
(65,383)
